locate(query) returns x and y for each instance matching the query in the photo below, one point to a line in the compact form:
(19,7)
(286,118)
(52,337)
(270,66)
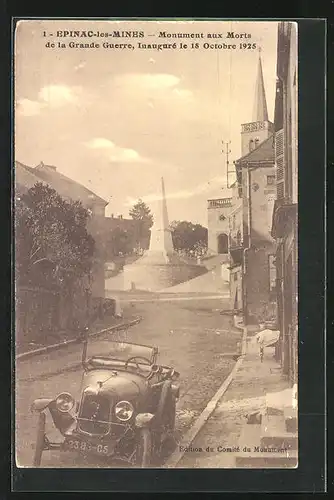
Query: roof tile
(48,174)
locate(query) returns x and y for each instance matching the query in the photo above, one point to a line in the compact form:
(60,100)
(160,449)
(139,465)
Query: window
(257,141)
(251,145)
(271,179)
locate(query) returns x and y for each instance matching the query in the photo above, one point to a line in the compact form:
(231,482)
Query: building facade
(236,238)
(252,246)
(285,217)
(240,225)
(218,225)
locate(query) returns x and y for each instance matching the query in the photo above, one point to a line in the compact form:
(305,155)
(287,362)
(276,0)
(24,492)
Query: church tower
(256,176)
(260,128)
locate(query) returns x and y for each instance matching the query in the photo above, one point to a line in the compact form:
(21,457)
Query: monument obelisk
(160,266)
(161,248)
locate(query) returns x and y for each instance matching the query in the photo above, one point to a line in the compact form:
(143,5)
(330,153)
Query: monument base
(154,277)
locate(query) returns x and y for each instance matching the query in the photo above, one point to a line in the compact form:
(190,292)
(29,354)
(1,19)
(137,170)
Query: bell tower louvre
(260,128)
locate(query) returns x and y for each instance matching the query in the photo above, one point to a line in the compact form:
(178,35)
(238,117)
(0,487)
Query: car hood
(119,384)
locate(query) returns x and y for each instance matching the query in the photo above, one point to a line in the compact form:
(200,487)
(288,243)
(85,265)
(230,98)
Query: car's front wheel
(171,413)
(144,448)
(40,440)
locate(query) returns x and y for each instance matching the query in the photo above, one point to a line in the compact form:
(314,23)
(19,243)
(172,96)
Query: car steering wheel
(134,358)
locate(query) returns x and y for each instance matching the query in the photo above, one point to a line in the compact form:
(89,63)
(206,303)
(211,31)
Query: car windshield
(122,351)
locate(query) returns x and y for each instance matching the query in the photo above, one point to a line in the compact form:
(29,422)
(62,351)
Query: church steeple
(260,128)
(260,111)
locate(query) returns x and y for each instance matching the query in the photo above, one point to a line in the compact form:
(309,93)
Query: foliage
(188,238)
(120,242)
(51,237)
(141,213)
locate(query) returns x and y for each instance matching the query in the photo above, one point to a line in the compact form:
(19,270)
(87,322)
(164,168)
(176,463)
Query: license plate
(86,447)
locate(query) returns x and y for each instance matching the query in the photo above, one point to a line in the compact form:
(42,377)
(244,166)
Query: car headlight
(65,402)
(124,411)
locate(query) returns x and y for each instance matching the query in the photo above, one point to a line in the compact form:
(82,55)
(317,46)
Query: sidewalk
(227,440)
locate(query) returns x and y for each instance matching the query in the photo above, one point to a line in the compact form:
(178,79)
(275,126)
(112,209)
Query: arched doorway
(223,243)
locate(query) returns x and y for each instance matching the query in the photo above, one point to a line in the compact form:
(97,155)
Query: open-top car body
(125,411)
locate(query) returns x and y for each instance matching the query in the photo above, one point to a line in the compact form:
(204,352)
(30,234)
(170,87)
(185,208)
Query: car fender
(164,395)
(40,404)
(62,421)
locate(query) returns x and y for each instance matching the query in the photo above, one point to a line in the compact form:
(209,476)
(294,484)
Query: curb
(54,347)
(188,298)
(189,437)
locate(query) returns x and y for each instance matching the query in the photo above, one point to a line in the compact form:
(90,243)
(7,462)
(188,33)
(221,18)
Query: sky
(117,120)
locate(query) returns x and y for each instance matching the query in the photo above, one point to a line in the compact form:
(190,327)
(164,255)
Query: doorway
(223,243)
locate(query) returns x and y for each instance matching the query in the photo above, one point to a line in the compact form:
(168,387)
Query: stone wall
(158,277)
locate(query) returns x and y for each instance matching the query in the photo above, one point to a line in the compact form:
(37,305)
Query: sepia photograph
(156,244)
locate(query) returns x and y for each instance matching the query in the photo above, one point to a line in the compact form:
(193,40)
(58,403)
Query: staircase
(271,441)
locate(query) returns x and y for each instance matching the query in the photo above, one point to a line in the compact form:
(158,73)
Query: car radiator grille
(94,414)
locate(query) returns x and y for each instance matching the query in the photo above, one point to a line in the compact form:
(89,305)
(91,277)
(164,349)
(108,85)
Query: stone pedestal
(155,277)
(160,267)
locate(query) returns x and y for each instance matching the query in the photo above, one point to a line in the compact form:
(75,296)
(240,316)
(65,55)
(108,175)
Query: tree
(141,213)
(51,237)
(189,238)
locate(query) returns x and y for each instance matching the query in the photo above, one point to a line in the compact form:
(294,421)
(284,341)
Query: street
(192,335)
(156,250)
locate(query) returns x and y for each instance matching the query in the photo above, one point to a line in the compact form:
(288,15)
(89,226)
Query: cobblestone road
(192,335)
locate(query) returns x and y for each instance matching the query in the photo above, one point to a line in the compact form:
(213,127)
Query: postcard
(156,223)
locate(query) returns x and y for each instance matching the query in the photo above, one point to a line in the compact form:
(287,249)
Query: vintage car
(126,408)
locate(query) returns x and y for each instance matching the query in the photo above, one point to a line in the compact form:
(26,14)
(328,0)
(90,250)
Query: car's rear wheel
(40,440)
(144,448)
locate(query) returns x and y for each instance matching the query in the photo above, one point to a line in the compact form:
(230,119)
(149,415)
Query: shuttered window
(280,163)
(272,272)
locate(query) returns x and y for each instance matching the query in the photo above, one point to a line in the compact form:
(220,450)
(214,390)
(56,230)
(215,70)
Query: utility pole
(226,150)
